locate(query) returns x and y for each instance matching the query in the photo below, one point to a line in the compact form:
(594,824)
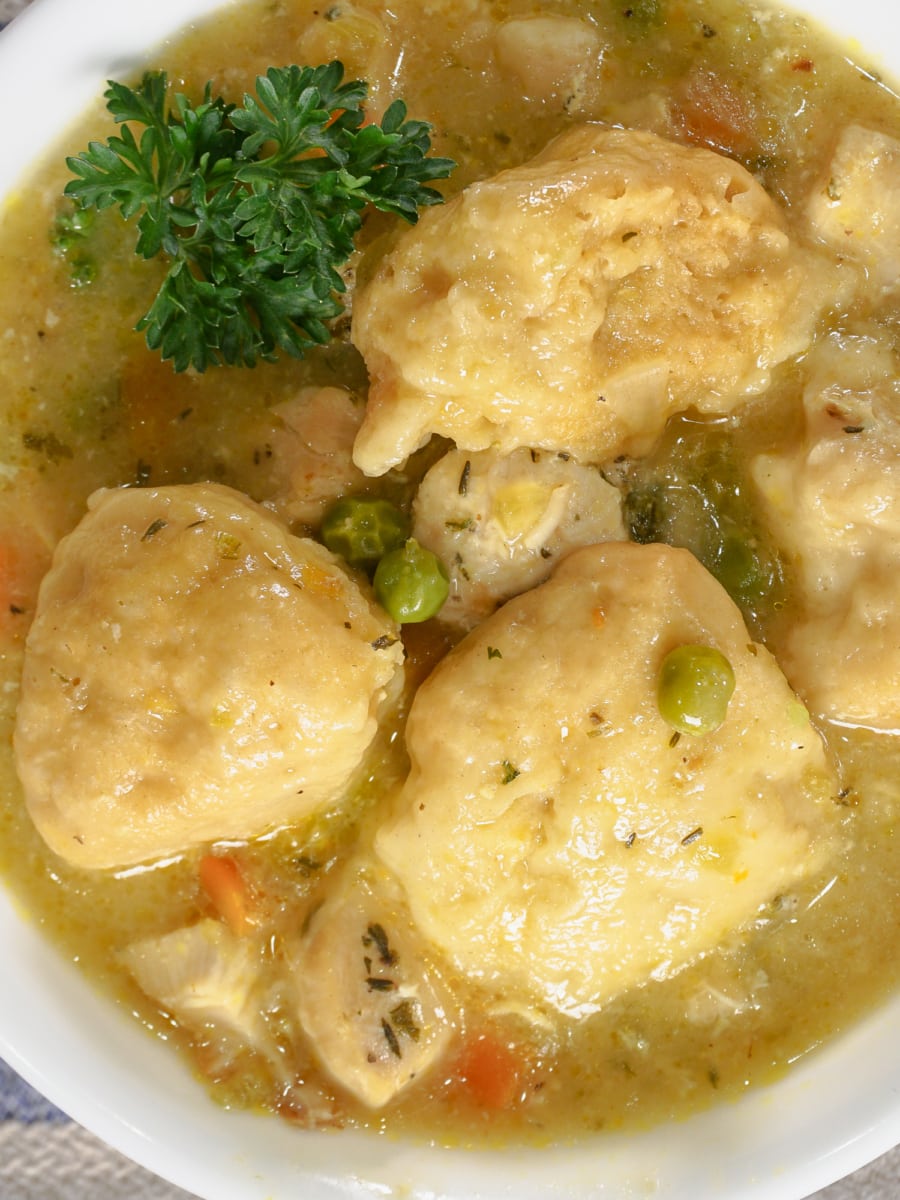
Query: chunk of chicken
(194,672)
(501,522)
(554,839)
(833,502)
(552,57)
(313,448)
(205,976)
(576,302)
(855,206)
(372,1003)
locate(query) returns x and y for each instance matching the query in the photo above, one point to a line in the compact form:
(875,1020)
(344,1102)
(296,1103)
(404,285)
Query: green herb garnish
(255,208)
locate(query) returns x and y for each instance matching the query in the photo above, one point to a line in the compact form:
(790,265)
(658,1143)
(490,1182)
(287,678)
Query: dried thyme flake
(391,1038)
(692,836)
(380,643)
(376,936)
(47,444)
(376,984)
(459,524)
(153,528)
(493,652)
(464,478)
(403,1017)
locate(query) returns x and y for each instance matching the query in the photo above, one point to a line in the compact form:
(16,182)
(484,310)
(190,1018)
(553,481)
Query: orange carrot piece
(491,1071)
(713,113)
(24,558)
(224,883)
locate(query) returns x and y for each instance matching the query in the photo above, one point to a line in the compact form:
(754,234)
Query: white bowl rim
(85,1055)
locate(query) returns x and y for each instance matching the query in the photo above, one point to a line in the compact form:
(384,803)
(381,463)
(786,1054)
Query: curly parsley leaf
(256,208)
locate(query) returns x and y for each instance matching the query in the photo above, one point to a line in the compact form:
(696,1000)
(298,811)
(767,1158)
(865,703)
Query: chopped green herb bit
(47,444)
(403,1018)
(643,15)
(509,772)
(493,652)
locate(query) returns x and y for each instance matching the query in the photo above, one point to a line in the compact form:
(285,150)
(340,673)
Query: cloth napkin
(46,1156)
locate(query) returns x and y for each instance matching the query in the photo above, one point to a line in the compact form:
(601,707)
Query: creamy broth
(86,405)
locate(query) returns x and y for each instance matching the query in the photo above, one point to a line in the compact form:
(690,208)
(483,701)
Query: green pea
(363,530)
(751,574)
(694,688)
(411,583)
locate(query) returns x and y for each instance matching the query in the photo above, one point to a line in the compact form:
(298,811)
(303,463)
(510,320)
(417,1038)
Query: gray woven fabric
(9,8)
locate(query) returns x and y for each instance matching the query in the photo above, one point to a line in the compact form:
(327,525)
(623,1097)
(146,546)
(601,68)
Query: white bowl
(835,1111)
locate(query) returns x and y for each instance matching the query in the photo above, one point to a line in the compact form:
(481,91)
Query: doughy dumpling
(554,839)
(576,302)
(193,672)
(855,207)
(501,522)
(833,502)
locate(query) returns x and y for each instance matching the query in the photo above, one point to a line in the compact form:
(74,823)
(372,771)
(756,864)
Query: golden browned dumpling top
(556,838)
(194,672)
(574,303)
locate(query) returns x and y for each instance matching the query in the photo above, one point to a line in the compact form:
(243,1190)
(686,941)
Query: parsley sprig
(255,207)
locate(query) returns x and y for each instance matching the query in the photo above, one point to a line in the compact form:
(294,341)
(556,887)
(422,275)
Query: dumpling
(855,206)
(576,302)
(501,522)
(833,502)
(194,672)
(556,841)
